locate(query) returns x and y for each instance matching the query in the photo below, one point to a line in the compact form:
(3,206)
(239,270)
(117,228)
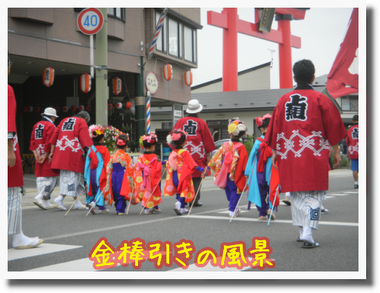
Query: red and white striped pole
(158,30)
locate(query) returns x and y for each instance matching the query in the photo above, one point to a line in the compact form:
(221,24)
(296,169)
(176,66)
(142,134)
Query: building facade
(50,37)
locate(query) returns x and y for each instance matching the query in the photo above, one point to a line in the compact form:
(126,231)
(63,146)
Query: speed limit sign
(90,21)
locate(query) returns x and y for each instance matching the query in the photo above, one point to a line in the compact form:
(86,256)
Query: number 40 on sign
(90,21)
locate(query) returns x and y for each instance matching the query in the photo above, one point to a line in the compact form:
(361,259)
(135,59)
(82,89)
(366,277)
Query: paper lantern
(48,76)
(65,109)
(117,85)
(81,108)
(37,109)
(119,105)
(110,107)
(85,82)
(73,108)
(28,109)
(128,105)
(188,76)
(88,108)
(168,72)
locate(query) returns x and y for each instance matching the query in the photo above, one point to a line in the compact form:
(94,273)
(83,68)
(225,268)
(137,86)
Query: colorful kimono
(119,169)
(95,174)
(180,167)
(70,138)
(228,164)
(147,180)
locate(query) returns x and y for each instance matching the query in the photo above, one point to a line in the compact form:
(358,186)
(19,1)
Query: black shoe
(198,204)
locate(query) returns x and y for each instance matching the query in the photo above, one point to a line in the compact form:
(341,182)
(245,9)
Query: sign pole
(92,55)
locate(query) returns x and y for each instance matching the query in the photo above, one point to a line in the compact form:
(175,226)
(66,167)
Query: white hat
(50,112)
(194,107)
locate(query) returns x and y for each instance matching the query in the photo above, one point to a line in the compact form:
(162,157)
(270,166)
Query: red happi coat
(69,138)
(303,124)
(40,142)
(352,141)
(15,174)
(199,140)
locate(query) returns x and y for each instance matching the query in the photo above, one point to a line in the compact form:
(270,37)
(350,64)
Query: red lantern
(48,76)
(119,105)
(168,72)
(85,82)
(81,108)
(37,109)
(73,108)
(88,108)
(56,108)
(188,76)
(117,85)
(110,107)
(28,109)
(65,109)
(128,105)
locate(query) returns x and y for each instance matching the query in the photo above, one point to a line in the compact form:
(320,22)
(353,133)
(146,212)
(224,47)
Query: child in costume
(95,170)
(147,175)
(120,171)
(258,170)
(180,167)
(229,163)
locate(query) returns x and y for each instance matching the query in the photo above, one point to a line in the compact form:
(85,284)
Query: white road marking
(44,248)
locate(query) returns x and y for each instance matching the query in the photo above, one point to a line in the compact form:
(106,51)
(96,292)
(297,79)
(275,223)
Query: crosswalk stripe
(44,248)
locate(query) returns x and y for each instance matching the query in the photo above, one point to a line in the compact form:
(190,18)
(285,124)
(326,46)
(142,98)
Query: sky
(321,33)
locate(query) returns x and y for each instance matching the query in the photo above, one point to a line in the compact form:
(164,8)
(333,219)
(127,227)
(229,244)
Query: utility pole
(101,75)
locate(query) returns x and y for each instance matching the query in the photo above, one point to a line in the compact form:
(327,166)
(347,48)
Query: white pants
(69,183)
(306,208)
(45,186)
(14,210)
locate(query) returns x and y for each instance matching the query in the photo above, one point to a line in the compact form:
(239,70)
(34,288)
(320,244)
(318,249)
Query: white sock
(356,182)
(59,198)
(301,231)
(20,240)
(77,203)
(307,234)
(39,197)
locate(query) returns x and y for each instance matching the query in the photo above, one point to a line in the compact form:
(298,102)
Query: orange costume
(147,179)
(180,167)
(120,171)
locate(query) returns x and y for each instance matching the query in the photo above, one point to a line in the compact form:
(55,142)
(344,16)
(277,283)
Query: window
(348,103)
(161,43)
(116,12)
(180,39)
(190,42)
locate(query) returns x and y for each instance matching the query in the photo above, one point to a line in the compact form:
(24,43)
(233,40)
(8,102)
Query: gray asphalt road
(69,240)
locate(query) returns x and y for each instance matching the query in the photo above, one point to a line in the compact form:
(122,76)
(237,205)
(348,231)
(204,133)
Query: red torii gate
(232,25)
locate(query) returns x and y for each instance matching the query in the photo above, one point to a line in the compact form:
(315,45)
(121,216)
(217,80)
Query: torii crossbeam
(232,25)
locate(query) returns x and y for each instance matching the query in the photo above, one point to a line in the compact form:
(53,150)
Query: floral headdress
(121,142)
(95,130)
(150,138)
(259,120)
(175,135)
(236,126)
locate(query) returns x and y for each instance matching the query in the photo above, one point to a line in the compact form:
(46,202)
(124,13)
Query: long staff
(154,189)
(75,200)
(271,212)
(199,187)
(237,205)
(101,195)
